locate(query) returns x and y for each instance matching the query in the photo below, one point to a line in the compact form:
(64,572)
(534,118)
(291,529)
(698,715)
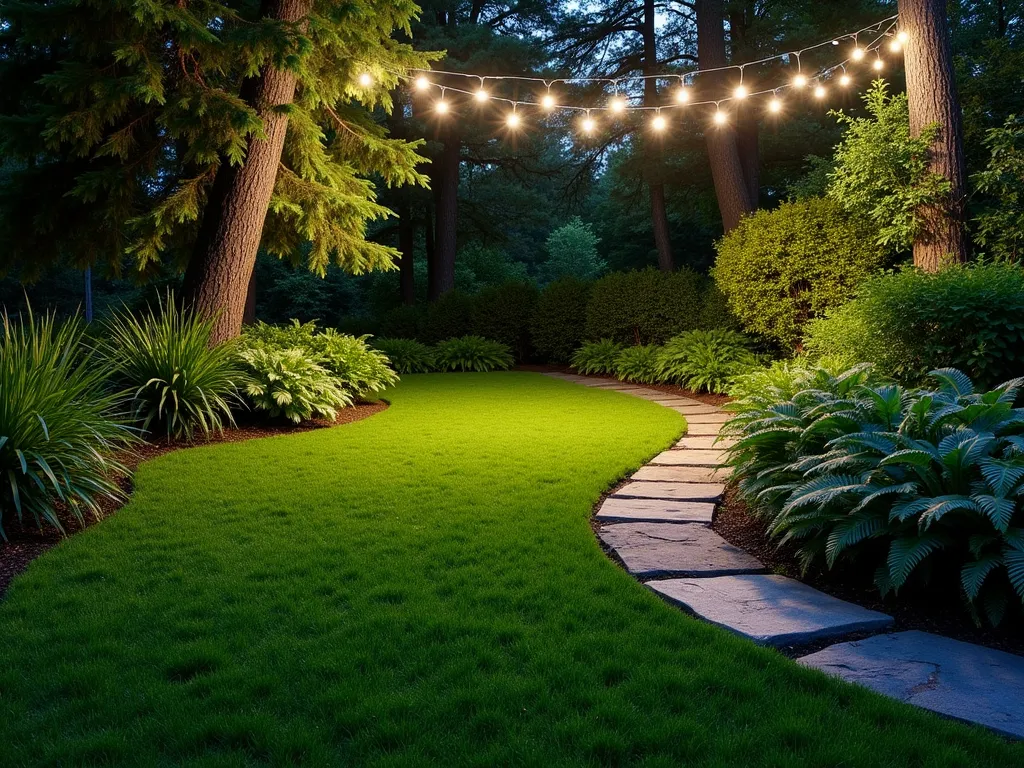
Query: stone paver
(655,511)
(701,430)
(716,417)
(690,458)
(770,610)
(960,680)
(682,473)
(650,550)
(647,489)
(704,442)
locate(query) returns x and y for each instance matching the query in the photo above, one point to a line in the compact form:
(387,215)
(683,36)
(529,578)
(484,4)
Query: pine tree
(145,131)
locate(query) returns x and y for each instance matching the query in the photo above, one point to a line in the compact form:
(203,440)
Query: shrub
(559,319)
(704,360)
(59,425)
(714,310)
(572,252)
(967,317)
(639,364)
(290,383)
(404,322)
(472,353)
(914,482)
(176,383)
(999,227)
(407,355)
(448,317)
(643,307)
(597,357)
(778,269)
(503,313)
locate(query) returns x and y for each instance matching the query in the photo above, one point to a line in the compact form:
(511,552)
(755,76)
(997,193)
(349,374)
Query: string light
(895,46)
(902,37)
(366,79)
(720,118)
(857,53)
(844,80)
(820,92)
(740,92)
(878,65)
(512,120)
(441,106)
(481,95)
(683,94)
(422,83)
(548,101)
(587,124)
(799,81)
(617,105)
(658,123)
(775,105)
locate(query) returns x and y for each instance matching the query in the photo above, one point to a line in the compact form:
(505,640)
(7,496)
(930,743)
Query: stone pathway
(658,525)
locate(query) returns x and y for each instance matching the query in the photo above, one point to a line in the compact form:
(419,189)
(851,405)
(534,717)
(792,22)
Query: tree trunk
(747,126)
(224,255)
(932,98)
(428,244)
(731,187)
(446,214)
(406,242)
(655,187)
(249,314)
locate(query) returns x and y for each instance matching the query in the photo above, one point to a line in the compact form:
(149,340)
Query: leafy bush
(967,317)
(639,364)
(714,310)
(778,269)
(572,252)
(643,307)
(59,424)
(559,319)
(597,357)
(915,482)
(449,317)
(404,322)
(999,228)
(503,313)
(472,353)
(704,360)
(407,355)
(175,381)
(290,382)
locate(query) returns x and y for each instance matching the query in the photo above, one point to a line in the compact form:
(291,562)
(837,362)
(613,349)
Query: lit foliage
(999,228)
(406,355)
(639,364)
(287,382)
(881,173)
(850,469)
(174,381)
(780,268)
(118,115)
(572,252)
(60,426)
(472,353)
(596,357)
(704,361)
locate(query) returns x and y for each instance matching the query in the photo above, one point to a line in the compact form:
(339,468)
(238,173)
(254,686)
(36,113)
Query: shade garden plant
(472,353)
(705,361)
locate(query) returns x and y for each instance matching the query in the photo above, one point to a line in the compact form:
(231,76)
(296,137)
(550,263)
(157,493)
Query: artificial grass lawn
(419,587)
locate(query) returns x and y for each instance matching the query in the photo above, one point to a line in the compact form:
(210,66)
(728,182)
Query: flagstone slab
(648,489)
(703,442)
(650,550)
(957,679)
(655,511)
(696,429)
(690,458)
(687,409)
(716,417)
(681,474)
(770,609)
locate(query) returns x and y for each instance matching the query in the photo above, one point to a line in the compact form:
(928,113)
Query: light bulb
(819,92)
(422,83)
(441,107)
(857,53)
(683,94)
(775,105)
(895,46)
(481,95)
(902,37)
(740,92)
(720,117)
(658,123)
(844,80)
(512,121)
(878,65)
(588,124)
(799,81)
(548,101)
(365,80)
(616,105)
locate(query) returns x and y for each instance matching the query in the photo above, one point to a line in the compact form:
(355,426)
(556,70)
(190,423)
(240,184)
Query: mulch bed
(25,543)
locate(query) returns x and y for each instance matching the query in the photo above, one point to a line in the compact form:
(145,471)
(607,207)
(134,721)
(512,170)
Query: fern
(705,361)
(639,364)
(473,353)
(596,357)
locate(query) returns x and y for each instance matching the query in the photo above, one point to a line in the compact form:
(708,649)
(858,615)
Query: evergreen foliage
(472,353)
(639,364)
(644,306)
(503,313)
(406,355)
(572,252)
(558,323)
(704,361)
(999,227)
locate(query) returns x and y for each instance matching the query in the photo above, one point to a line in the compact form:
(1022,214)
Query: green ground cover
(420,587)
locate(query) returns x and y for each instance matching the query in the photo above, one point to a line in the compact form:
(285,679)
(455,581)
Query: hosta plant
(175,382)
(472,353)
(639,364)
(705,361)
(290,383)
(913,481)
(596,357)
(407,355)
(60,425)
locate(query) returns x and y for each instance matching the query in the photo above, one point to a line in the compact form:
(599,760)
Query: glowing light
(721,118)
(422,83)
(481,95)
(844,80)
(740,92)
(895,46)
(617,105)
(548,101)
(878,65)
(512,120)
(820,92)
(659,123)
(441,107)
(588,125)
(775,105)
(857,53)
(902,37)
(366,79)
(683,94)
(799,81)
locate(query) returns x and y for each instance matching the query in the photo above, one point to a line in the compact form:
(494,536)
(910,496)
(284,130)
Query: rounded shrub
(779,269)
(643,307)
(559,319)
(450,316)
(596,357)
(503,312)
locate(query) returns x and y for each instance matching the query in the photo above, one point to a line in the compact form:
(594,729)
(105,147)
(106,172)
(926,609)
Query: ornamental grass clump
(639,364)
(60,425)
(704,361)
(596,357)
(472,353)
(406,355)
(918,484)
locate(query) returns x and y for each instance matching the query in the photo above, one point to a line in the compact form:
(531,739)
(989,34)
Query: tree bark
(932,98)
(217,277)
(731,187)
(655,187)
(446,214)
(249,314)
(406,243)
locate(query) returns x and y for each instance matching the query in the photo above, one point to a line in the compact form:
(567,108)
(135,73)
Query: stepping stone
(960,680)
(603,383)
(655,511)
(681,474)
(704,443)
(770,610)
(715,417)
(696,429)
(690,458)
(646,489)
(649,550)
(688,409)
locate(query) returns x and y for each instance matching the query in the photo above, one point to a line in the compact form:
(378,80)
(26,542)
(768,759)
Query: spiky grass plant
(705,361)
(596,357)
(639,364)
(407,355)
(473,353)
(176,383)
(60,426)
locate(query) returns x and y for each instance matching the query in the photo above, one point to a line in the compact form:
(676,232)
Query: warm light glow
(895,46)
(441,107)
(481,96)
(878,65)
(720,117)
(683,94)
(844,80)
(548,101)
(775,105)
(422,83)
(365,80)
(588,124)
(658,123)
(799,81)
(616,105)
(902,37)
(740,92)
(512,121)
(857,54)
(819,92)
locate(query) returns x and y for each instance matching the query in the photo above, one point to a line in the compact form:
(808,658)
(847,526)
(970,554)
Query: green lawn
(420,587)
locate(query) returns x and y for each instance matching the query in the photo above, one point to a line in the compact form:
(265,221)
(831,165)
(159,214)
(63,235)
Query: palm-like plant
(844,466)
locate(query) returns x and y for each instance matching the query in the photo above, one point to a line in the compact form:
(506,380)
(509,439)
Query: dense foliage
(406,355)
(909,482)
(778,269)
(559,318)
(472,353)
(968,317)
(644,306)
(60,425)
(639,364)
(503,313)
(572,252)
(287,382)
(597,357)
(704,361)
(999,227)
